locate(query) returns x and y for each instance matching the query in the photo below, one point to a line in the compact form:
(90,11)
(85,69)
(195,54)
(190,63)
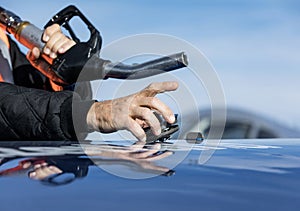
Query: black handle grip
(63,18)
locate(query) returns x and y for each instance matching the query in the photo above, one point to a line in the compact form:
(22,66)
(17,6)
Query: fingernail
(172,118)
(143,139)
(32,174)
(53,55)
(61,50)
(26,165)
(51,167)
(46,38)
(46,51)
(158,131)
(37,166)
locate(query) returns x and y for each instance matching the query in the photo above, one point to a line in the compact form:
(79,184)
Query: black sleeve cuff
(73,117)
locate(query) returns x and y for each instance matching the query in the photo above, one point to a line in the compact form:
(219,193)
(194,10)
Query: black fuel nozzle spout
(146,69)
(76,65)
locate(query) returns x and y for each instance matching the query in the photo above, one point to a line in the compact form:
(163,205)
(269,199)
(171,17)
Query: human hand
(55,43)
(133,112)
(143,156)
(139,151)
(43,170)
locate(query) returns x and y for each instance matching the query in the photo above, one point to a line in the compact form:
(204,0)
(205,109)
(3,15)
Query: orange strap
(4,37)
(56,87)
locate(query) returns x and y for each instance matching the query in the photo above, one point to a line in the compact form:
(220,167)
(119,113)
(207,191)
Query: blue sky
(253,45)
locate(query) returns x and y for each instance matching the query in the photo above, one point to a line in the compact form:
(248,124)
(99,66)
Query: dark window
(232,130)
(263,133)
(236,130)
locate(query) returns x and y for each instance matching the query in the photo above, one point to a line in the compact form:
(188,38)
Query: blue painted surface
(240,176)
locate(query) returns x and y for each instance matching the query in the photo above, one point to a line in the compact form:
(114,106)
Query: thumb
(33,54)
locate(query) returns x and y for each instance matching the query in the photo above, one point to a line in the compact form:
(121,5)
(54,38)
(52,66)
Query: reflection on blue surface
(235,178)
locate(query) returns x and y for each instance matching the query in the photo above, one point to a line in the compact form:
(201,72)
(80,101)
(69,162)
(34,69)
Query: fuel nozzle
(67,67)
(9,21)
(25,32)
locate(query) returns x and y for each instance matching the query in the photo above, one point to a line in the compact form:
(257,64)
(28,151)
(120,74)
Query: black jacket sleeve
(32,114)
(28,112)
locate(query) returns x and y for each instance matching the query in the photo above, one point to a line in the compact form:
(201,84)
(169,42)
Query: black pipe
(146,69)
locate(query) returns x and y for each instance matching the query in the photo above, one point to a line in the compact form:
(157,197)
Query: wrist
(99,117)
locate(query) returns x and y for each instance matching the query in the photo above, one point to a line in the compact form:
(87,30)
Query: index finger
(159,87)
(49,31)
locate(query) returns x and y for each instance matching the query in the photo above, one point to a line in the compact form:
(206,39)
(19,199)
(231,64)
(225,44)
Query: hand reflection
(140,154)
(44,170)
(137,151)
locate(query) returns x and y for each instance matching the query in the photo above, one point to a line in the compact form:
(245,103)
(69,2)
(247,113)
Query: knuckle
(68,43)
(153,101)
(137,131)
(49,44)
(146,113)
(47,30)
(54,28)
(151,86)
(149,112)
(55,47)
